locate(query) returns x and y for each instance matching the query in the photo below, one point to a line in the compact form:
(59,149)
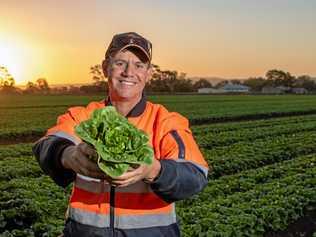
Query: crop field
(262,150)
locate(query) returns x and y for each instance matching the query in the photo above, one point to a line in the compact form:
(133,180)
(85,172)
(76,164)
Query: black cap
(127,40)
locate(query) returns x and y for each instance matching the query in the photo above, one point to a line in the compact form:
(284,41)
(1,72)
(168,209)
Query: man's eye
(140,65)
(119,63)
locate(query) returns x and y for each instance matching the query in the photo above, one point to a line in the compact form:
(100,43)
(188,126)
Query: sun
(11,57)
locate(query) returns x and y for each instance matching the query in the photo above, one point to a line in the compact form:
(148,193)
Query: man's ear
(150,73)
(105,68)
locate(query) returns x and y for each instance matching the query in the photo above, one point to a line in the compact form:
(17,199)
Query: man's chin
(126,97)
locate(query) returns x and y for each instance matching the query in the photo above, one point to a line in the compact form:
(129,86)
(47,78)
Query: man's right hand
(77,159)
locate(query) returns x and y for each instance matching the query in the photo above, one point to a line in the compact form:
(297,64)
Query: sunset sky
(60,40)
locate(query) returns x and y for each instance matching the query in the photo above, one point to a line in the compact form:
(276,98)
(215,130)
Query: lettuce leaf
(118,143)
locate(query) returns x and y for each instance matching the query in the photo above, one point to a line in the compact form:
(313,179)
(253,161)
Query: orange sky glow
(60,40)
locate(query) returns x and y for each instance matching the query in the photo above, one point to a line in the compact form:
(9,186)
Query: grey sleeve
(48,152)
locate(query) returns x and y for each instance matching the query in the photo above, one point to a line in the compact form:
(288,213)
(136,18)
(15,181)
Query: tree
(100,82)
(97,74)
(156,84)
(7,82)
(256,83)
(170,78)
(168,81)
(202,83)
(31,88)
(42,85)
(306,82)
(184,85)
(280,78)
(37,87)
(221,84)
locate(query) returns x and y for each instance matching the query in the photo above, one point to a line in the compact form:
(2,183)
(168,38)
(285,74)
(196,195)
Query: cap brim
(138,47)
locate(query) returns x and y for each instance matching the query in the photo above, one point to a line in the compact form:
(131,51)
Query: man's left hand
(144,172)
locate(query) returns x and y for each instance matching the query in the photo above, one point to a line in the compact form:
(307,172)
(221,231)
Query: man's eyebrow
(138,62)
(123,60)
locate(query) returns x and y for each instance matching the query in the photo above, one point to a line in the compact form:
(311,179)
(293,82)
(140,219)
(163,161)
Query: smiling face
(127,76)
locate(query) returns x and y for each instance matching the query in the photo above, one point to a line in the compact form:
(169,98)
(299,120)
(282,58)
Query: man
(141,201)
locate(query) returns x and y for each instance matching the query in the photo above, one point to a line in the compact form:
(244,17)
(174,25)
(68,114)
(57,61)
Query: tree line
(162,81)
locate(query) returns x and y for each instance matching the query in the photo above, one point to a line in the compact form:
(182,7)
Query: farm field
(262,150)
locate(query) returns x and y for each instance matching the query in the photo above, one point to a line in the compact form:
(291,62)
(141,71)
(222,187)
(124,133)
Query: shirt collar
(137,110)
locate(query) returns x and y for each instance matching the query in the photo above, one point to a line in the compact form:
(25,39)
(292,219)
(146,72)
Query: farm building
(299,91)
(207,90)
(275,90)
(229,87)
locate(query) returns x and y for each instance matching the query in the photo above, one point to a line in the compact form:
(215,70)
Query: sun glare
(11,57)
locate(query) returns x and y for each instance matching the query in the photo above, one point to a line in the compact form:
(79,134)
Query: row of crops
(30,203)
(31,115)
(263,177)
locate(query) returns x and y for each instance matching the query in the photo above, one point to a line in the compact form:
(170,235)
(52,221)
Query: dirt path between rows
(21,139)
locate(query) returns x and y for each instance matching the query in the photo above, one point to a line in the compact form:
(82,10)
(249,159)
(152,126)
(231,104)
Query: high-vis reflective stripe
(145,221)
(122,221)
(102,186)
(89,218)
(181,147)
(87,178)
(92,186)
(67,136)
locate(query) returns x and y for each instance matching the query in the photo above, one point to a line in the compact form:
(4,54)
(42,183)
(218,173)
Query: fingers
(124,183)
(88,168)
(87,149)
(130,174)
(77,160)
(143,172)
(130,177)
(87,164)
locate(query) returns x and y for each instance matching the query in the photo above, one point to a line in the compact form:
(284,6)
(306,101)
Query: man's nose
(129,70)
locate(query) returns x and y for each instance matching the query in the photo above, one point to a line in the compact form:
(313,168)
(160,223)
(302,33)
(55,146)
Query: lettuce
(118,143)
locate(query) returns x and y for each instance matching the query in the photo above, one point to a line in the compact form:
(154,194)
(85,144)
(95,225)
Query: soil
(20,139)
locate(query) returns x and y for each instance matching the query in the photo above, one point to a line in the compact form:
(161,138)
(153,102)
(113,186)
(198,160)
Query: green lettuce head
(118,143)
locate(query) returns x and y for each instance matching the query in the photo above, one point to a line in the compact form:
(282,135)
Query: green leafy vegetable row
(249,179)
(21,114)
(11,168)
(213,139)
(261,123)
(16,150)
(31,207)
(248,155)
(270,206)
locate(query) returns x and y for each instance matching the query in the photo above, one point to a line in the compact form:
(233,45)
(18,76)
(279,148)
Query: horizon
(218,39)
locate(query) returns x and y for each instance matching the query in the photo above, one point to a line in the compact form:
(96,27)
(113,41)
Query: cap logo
(131,41)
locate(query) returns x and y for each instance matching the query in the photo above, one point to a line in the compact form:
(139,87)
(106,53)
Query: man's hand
(77,159)
(144,172)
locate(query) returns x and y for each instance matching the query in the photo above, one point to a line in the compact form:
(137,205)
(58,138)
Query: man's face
(127,76)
